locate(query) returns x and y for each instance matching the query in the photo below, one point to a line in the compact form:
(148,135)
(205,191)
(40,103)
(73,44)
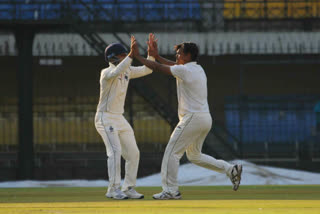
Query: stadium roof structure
(212,44)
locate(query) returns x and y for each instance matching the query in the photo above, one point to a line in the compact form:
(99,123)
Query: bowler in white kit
(116,132)
(194,117)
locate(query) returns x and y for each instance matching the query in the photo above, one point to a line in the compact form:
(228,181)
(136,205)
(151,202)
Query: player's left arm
(140,71)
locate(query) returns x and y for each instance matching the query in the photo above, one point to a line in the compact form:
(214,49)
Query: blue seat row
(29,11)
(107,10)
(263,124)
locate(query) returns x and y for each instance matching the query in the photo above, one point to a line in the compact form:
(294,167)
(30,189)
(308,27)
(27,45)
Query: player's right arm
(164,60)
(165,69)
(159,58)
(119,69)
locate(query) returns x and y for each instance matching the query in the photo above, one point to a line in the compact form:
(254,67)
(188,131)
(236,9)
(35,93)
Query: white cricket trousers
(188,136)
(119,140)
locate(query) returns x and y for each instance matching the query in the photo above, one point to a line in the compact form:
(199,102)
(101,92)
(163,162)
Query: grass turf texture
(211,199)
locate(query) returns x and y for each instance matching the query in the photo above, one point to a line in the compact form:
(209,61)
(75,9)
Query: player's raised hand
(155,43)
(135,47)
(152,45)
(134,51)
(148,41)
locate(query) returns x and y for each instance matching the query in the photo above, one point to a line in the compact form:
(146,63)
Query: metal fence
(266,126)
(65,98)
(8,123)
(67,123)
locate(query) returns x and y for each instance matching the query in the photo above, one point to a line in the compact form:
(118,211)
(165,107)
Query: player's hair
(189,47)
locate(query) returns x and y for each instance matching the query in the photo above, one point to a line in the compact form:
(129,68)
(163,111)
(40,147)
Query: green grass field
(210,199)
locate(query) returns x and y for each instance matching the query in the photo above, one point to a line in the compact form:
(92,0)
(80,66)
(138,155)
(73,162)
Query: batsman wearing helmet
(116,132)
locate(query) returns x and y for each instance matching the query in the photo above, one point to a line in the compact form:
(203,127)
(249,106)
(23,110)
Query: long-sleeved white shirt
(114,82)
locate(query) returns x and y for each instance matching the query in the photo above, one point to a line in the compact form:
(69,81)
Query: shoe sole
(142,197)
(177,198)
(235,188)
(117,198)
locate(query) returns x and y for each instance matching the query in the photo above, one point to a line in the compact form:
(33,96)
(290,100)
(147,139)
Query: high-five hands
(152,51)
(152,45)
(134,51)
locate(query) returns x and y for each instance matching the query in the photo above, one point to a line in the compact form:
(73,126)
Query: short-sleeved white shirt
(191,88)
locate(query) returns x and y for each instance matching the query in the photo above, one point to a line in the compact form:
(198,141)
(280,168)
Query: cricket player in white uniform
(115,131)
(195,119)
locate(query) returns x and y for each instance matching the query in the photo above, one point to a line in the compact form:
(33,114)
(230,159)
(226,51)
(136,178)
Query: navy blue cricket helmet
(113,50)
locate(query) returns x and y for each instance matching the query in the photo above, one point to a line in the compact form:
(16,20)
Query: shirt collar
(111,65)
(192,62)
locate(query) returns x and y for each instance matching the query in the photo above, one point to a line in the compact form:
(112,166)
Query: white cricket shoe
(116,193)
(235,176)
(167,195)
(133,194)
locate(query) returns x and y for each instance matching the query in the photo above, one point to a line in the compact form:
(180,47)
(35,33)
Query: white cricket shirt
(191,88)
(114,82)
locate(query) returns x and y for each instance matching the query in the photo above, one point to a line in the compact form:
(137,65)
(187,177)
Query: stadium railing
(61,122)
